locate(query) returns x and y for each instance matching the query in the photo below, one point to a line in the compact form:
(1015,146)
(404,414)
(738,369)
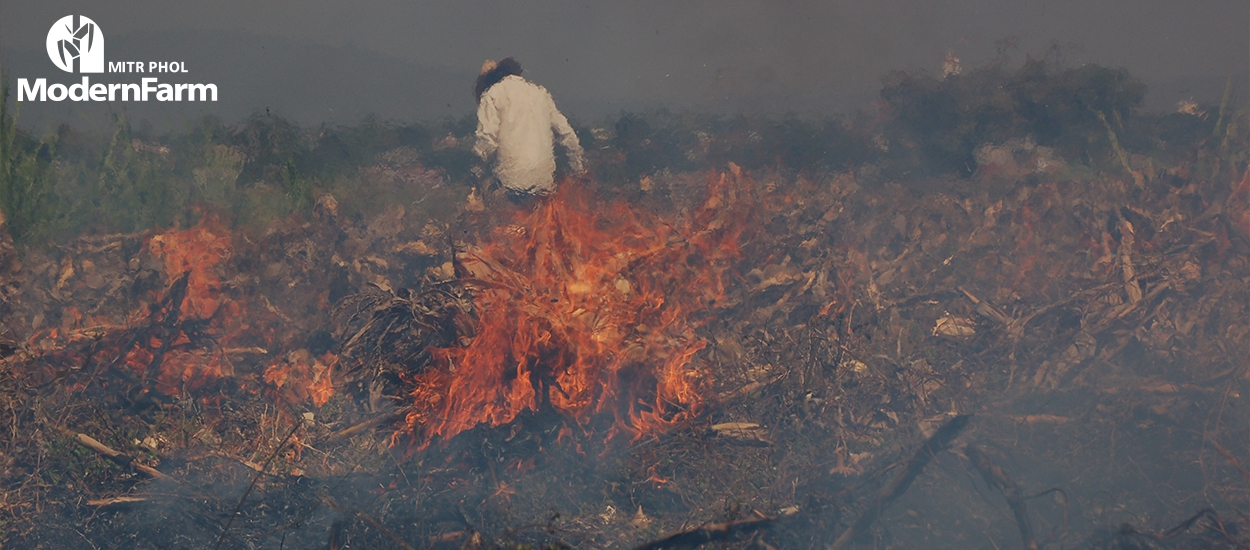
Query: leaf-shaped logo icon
(87,30)
(67,47)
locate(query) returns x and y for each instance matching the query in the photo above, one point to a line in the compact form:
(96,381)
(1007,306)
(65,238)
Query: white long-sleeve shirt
(517,121)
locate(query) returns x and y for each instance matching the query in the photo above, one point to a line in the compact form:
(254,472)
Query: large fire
(589,310)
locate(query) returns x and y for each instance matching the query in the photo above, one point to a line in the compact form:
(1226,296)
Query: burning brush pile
(754,359)
(589,310)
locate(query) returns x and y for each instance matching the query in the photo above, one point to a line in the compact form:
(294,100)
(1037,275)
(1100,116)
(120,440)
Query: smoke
(597,58)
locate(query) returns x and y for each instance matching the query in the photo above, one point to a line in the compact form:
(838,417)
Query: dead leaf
(1040,419)
(777,275)
(958,328)
(474,203)
(418,248)
(743,433)
(640,520)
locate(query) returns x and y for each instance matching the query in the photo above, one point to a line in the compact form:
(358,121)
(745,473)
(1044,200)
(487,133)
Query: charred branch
(936,443)
(995,477)
(710,532)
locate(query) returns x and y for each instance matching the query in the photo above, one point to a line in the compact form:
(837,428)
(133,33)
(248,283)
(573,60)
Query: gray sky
(800,56)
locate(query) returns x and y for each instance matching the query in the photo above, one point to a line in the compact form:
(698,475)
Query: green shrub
(266,166)
(25,177)
(934,125)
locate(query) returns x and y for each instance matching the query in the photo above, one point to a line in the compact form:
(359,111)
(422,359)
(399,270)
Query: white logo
(76,45)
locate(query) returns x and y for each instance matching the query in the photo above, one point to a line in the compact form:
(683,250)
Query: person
(517,122)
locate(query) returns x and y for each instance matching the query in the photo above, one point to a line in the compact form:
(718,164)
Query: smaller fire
(197,252)
(301,377)
(186,337)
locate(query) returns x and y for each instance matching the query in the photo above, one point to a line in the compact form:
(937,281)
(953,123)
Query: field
(1004,309)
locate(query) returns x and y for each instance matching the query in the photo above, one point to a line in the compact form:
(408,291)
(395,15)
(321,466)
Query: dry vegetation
(757,334)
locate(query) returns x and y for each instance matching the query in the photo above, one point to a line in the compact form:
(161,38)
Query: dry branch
(936,443)
(368,424)
(158,325)
(115,501)
(1217,525)
(117,456)
(330,503)
(1228,455)
(169,326)
(995,476)
(708,532)
(748,389)
(237,507)
(251,350)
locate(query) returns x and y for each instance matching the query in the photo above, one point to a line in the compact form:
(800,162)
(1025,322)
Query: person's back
(517,121)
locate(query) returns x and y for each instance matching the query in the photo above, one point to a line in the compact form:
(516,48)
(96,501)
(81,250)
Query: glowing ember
(589,310)
(300,376)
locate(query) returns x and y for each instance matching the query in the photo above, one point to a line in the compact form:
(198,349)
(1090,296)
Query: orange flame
(181,355)
(589,310)
(197,252)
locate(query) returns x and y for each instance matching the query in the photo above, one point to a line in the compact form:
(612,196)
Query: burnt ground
(1094,326)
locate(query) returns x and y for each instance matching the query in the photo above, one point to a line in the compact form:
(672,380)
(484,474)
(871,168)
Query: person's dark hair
(506,67)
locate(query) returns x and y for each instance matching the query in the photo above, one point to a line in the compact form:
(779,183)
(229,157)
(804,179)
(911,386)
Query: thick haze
(321,61)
